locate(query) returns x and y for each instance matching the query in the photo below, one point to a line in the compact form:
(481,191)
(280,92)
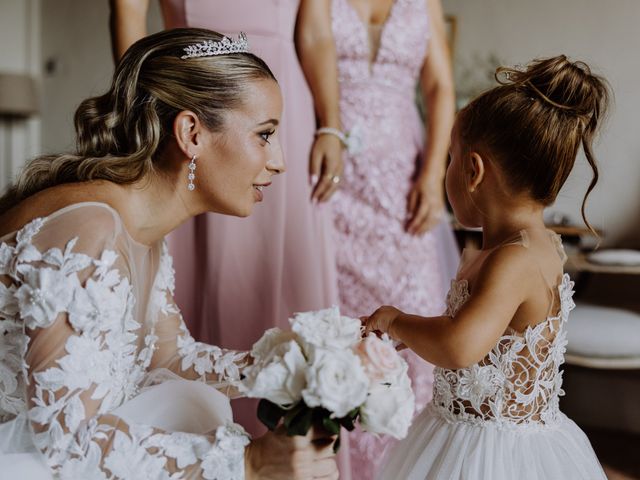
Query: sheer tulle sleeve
(176,348)
(86,350)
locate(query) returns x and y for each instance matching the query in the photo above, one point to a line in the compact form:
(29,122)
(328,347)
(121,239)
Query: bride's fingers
(326,451)
(318,434)
(325,468)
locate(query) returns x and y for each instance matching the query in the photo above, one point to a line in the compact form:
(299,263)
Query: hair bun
(566,85)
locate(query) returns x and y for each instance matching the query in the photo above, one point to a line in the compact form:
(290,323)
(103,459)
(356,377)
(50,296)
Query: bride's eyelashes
(266,135)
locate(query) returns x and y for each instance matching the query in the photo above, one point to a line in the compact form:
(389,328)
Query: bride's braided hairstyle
(119,134)
(533,124)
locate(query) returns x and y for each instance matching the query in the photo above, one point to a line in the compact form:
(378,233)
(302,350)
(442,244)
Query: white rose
(326,329)
(336,381)
(389,409)
(273,337)
(280,377)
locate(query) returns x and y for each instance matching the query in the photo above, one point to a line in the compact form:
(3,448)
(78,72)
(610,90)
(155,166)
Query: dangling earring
(192,173)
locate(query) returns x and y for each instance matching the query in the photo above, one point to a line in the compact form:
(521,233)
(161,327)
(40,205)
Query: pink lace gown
(238,277)
(378,263)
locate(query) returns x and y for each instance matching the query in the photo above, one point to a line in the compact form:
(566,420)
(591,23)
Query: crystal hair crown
(209,48)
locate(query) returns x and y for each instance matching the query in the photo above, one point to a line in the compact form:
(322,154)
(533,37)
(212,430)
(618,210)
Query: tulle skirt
(175,405)
(437,449)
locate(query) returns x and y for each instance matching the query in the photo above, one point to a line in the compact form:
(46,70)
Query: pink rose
(380,359)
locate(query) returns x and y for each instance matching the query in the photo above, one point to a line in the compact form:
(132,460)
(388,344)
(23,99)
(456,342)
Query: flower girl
(500,344)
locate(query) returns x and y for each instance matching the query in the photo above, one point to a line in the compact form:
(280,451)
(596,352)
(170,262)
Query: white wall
(607,37)
(19,37)
(76,44)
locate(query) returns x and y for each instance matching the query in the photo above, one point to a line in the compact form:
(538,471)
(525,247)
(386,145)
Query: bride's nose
(275,164)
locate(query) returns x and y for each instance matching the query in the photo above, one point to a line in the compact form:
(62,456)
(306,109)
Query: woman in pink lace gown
(217,258)
(393,243)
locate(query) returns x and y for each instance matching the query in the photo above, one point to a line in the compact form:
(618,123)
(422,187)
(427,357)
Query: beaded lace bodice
(85,315)
(519,382)
(401,47)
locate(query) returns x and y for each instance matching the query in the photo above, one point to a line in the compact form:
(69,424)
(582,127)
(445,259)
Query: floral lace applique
(203,358)
(105,358)
(519,382)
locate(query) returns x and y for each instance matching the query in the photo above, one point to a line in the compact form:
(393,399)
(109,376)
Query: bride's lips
(257,190)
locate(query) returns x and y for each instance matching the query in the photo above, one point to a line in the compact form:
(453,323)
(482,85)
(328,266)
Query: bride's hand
(278,456)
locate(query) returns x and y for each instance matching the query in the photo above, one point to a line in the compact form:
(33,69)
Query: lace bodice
(518,382)
(85,314)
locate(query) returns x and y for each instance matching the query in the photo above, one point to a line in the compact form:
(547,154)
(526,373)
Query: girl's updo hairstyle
(533,124)
(119,134)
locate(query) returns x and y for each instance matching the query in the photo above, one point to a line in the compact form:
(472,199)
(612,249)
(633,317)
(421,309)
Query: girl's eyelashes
(266,134)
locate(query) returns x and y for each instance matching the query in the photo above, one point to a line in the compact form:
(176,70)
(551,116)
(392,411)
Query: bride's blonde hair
(119,134)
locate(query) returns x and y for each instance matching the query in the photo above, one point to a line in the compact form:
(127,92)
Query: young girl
(500,344)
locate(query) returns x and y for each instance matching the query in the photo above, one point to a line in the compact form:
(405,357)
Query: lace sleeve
(83,355)
(176,348)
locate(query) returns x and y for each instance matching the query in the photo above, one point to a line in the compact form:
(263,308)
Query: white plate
(615,257)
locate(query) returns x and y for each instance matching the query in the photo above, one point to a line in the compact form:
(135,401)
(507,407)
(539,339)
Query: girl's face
(240,161)
(457,183)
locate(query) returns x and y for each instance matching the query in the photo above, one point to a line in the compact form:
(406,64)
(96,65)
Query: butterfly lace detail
(519,382)
(100,364)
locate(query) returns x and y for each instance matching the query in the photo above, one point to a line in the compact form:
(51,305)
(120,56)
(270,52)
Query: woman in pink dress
(363,59)
(217,258)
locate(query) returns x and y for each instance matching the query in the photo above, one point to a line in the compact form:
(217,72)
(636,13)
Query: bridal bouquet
(324,372)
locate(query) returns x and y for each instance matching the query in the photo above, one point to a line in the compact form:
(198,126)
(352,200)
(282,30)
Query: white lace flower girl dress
(499,419)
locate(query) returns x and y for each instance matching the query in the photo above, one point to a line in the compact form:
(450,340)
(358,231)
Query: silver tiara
(209,48)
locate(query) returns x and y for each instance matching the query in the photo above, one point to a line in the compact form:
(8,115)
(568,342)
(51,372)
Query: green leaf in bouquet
(270,414)
(331,425)
(299,420)
(336,445)
(349,420)
(293,412)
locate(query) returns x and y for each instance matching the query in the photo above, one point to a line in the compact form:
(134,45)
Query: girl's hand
(425,205)
(382,319)
(325,167)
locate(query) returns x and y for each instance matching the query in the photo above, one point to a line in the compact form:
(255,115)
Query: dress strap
(557,242)
(523,238)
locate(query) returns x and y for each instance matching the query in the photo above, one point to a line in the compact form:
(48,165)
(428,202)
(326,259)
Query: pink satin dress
(237,277)
(378,262)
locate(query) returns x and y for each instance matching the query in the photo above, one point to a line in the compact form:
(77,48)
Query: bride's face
(240,161)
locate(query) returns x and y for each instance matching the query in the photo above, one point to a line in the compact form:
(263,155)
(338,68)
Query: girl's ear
(187,130)
(477,171)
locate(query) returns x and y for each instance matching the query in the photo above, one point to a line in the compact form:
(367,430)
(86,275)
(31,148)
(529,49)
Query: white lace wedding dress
(99,378)
(499,419)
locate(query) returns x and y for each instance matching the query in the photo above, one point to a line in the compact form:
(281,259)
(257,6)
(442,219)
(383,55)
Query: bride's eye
(266,134)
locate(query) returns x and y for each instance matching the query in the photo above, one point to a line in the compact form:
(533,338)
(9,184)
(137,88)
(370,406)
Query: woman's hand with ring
(325,167)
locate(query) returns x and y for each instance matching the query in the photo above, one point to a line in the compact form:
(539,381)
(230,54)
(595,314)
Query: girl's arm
(317,53)
(128,24)
(459,341)
(426,199)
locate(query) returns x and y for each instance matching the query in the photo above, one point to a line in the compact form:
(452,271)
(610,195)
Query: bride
(99,378)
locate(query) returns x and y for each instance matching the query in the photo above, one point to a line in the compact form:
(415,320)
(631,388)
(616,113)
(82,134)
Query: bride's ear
(477,171)
(188,132)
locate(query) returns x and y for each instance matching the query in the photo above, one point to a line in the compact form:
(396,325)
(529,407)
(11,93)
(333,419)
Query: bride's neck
(152,208)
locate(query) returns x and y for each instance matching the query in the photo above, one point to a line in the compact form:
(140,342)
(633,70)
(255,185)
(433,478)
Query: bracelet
(335,132)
